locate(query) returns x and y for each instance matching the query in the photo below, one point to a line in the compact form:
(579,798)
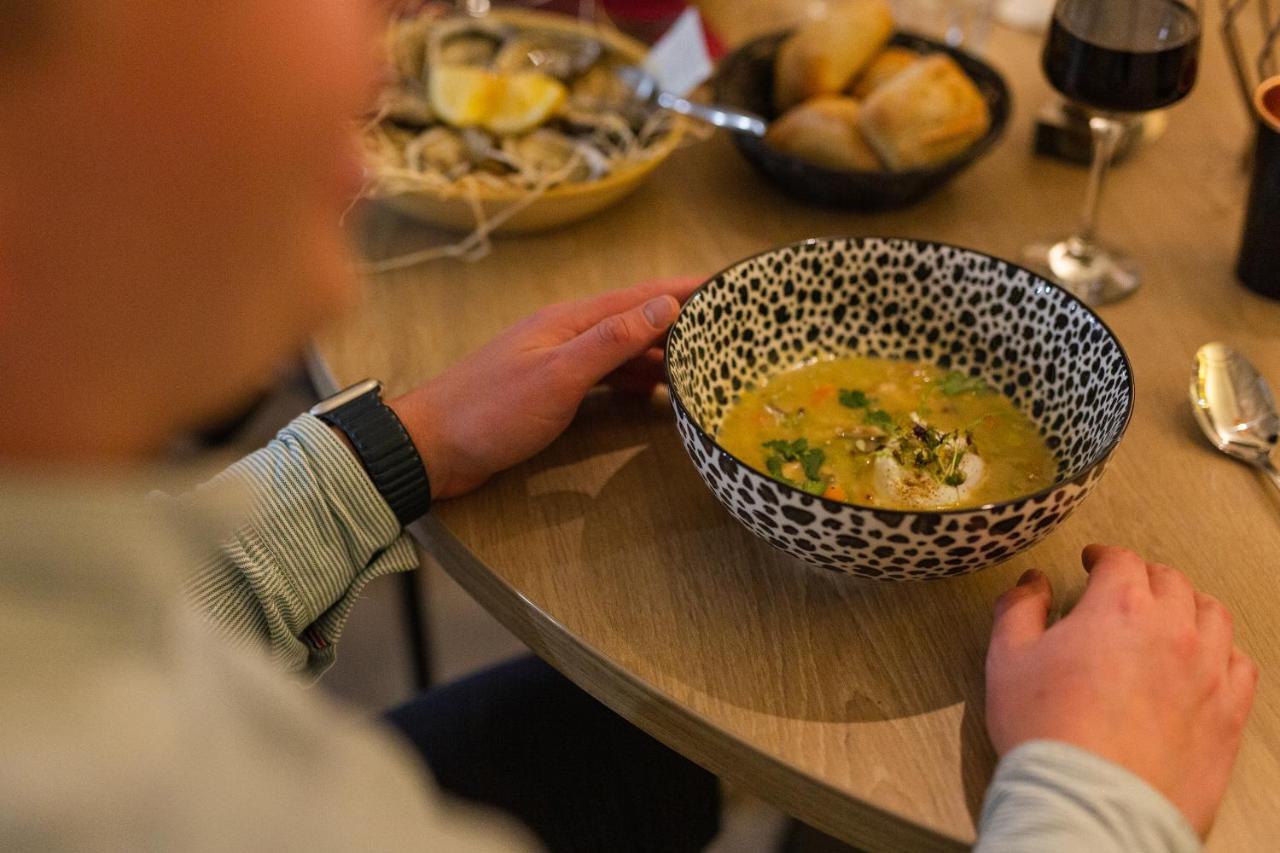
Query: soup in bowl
(892,408)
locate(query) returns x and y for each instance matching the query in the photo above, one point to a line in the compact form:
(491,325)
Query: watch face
(345,396)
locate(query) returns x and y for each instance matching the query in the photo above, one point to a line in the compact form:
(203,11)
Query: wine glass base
(1095,274)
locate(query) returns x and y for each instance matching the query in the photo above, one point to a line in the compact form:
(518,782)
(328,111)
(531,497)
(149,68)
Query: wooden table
(852,705)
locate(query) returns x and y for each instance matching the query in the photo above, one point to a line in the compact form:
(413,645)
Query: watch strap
(387,453)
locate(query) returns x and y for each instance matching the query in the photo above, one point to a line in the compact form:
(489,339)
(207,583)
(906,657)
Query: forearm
(315,533)
(1051,797)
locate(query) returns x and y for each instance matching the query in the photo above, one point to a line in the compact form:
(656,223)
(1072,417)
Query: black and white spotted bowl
(897,298)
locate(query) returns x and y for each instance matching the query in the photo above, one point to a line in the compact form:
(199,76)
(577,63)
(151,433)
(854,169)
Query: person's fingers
(1111,557)
(1242,676)
(653,358)
(585,313)
(618,338)
(1213,624)
(1113,573)
(650,363)
(627,384)
(641,375)
(1021,613)
(1172,591)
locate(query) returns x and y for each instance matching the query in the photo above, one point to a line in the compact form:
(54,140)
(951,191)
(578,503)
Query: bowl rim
(980,146)
(634,171)
(1100,457)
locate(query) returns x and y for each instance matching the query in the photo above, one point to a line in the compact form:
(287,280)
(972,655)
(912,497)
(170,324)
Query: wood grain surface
(853,705)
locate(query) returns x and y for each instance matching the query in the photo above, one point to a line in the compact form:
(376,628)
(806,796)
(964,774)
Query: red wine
(1125,56)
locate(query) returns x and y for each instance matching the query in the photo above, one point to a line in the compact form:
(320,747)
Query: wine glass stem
(1270,470)
(1106,132)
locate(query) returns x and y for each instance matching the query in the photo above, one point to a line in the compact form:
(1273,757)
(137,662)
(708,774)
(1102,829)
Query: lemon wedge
(525,100)
(463,95)
(467,96)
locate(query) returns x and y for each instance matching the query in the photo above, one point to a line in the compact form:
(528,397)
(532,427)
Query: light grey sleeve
(1051,797)
(316,533)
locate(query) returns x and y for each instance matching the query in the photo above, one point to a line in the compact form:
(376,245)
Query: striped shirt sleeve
(1052,797)
(316,533)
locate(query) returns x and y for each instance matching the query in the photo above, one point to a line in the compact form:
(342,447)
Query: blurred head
(172,177)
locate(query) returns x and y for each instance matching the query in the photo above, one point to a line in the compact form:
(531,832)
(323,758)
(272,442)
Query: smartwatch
(382,445)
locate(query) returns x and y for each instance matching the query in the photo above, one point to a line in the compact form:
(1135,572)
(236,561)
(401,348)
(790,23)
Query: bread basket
(745,81)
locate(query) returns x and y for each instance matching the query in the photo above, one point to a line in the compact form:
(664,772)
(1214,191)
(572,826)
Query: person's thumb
(1022,612)
(619,338)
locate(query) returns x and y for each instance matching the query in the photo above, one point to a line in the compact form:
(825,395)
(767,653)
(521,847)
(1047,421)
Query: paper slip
(679,61)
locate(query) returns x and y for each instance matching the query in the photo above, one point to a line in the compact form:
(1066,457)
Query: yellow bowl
(569,202)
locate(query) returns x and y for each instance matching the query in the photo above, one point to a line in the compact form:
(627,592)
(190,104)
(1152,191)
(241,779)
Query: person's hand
(1142,672)
(510,399)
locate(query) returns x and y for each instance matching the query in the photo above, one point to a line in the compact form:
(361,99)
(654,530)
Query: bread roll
(822,56)
(924,115)
(885,66)
(824,131)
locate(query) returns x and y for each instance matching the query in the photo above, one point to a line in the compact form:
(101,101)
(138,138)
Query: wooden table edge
(686,732)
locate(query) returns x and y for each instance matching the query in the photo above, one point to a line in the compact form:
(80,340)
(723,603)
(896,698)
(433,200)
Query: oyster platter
(519,120)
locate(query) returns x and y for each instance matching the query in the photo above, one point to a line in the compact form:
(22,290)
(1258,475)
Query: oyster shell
(545,152)
(439,149)
(600,88)
(469,50)
(606,128)
(407,46)
(562,55)
(387,144)
(466,42)
(484,154)
(406,108)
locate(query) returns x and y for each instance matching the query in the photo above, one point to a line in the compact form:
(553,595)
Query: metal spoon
(646,88)
(1235,407)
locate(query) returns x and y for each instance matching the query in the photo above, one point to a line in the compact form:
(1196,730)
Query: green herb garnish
(774,464)
(814,487)
(810,459)
(936,453)
(879,418)
(954,476)
(789,450)
(956,383)
(854,399)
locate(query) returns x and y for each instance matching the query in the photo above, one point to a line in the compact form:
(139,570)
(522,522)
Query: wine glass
(1116,59)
